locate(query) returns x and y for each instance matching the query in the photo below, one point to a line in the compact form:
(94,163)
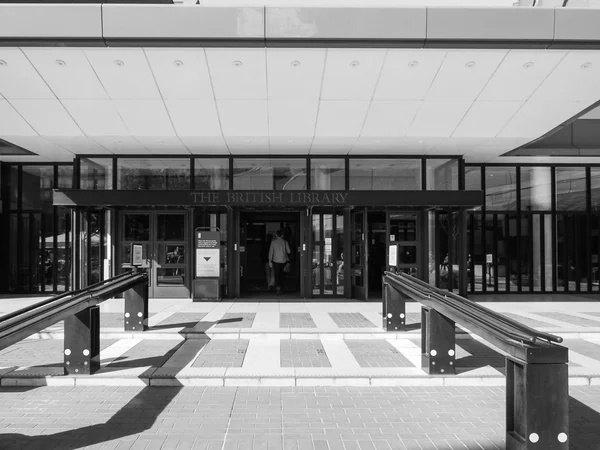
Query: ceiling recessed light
(586,65)
(470,64)
(3,63)
(413,64)
(178,63)
(354,64)
(295,63)
(119,63)
(528,64)
(237,63)
(60,62)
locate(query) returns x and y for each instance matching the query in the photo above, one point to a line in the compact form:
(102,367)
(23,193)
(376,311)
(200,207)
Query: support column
(136,308)
(537,406)
(82,342)
(437,343)
(394,309)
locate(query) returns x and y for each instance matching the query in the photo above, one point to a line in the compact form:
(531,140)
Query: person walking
(264,254)
(279,256)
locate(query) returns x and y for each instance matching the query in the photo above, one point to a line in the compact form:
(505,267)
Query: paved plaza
(288,375)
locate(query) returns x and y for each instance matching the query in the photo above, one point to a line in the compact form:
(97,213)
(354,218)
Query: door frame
(359,292)
(150,252)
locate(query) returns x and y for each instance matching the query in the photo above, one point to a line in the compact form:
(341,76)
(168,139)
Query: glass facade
(385,174)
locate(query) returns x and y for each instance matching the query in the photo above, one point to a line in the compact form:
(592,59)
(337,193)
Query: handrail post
(136,308)
(438,343)
(82,342)
(537,406)
(394,309)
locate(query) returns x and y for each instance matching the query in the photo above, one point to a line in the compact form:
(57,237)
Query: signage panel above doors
(76,197)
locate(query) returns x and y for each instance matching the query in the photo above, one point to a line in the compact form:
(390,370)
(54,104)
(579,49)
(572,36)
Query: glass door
(403,243)
(165,249)
(359,255)
(327,254)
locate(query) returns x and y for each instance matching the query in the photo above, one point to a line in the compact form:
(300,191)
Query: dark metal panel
(553,221)
(588,227)
(518,224)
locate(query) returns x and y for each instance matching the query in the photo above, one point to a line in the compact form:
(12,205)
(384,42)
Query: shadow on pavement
(479,355)
(584,426)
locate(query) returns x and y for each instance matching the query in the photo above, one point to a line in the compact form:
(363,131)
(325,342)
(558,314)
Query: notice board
(208,254)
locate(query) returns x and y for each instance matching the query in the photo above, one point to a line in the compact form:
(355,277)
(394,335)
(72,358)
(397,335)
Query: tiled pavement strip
(294,418)
(288,344)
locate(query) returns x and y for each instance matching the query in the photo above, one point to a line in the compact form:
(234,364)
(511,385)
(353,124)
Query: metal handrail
(492,321)
(43,314)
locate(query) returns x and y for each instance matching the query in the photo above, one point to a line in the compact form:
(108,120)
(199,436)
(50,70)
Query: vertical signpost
(208,265)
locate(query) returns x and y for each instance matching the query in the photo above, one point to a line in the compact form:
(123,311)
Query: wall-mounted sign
(489,258)
(208,254)
(136,254)
(393,255)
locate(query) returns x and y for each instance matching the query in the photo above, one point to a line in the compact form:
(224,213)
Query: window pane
(327,174)
(269,174)
(96,173)
(442,174)
(38,182)
(385,174)
(570,189)
(473,178)
(211,174)
(153,174)
(65,177)
(536,192)
(595,187)
(501,188)
(136,227)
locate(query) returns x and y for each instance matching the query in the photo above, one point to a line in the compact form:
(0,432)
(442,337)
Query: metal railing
(537,398)
(80,312)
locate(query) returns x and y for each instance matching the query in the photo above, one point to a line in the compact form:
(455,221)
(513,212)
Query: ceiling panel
(97,117)
(180,73)
(295,73)
(575,78)
(194,117)
(205,145)
(351,74)
(463,74)
(79,145)
(438,119)
(486,119)
(537,118)
(67,71)
(327,145)
(408,74)
(292,145)
(162,145)
(18,78)
(124,72)
(121,144)
(386,119)
(292,118)
(341,119)
(520,74)
(238,73)
(47,117)
(11,122)
(243,118)
(247,145)
(145,117)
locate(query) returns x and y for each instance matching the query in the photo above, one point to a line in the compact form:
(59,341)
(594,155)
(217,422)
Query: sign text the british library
(269,198)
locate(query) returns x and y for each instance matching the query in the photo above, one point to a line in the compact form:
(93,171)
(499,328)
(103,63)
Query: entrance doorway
(257,229)
(383,241)
(165,249)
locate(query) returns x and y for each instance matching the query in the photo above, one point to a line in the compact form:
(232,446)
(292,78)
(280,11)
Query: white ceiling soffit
(477,103)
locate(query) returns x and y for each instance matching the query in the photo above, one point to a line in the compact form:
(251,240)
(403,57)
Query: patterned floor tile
(303,353)
(351,320)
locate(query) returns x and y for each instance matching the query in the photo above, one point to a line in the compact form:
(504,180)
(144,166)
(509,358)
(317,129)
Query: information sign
(393,255)
(136,255)
(208,254)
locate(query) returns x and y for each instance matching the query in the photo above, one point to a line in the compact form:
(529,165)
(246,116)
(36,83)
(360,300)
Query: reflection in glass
(211,174)
(501,188)
(38,182)
(153,174)
(170,227)
(595,188)
(472,178)
(170,276)
(65,177)
(96,173)
(442,174)
(385,174)
(328,265)
(327,174)
(173,254)
(136,227)
(407,254)
(570,189)
(339,263)
(269,174)
(536,189)
(316,268)
(403,227)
